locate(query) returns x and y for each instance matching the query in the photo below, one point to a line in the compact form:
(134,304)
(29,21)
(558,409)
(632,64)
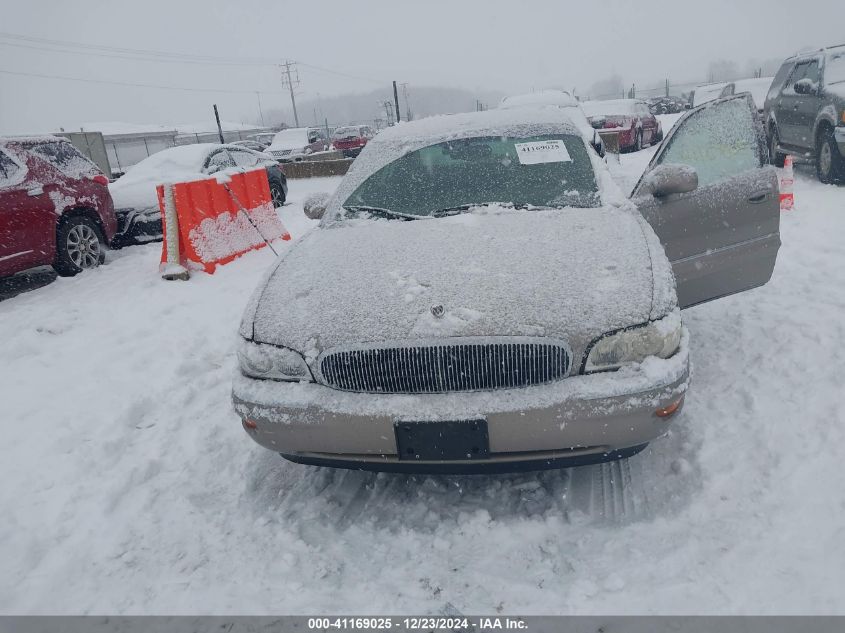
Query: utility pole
(260,112)
(667,86)
(219,127)
(388,111)
(396,101)
(408,116)
(291,80)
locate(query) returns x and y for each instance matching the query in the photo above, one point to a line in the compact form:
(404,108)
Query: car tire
(775,157)
(658,138)
(80,245)
(830,165)
(277,194)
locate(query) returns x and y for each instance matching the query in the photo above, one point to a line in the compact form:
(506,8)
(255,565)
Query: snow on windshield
(399,140)
(12,170)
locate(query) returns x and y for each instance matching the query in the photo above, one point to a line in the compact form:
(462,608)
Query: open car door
(722,236)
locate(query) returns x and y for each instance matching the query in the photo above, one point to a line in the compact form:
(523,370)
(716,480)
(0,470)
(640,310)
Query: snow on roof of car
(32,138)
(402,138)
(559,98)
(609,107)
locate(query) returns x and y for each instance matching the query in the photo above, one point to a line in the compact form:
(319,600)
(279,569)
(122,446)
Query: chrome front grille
(444,367)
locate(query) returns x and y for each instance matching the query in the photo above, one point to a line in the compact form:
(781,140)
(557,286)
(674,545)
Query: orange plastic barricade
(211,226)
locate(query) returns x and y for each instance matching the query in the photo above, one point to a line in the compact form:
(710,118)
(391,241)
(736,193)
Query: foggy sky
(480,45)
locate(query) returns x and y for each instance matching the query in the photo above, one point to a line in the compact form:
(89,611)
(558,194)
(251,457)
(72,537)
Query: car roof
(436,129)
(32,139)
(560,98)
(813,53)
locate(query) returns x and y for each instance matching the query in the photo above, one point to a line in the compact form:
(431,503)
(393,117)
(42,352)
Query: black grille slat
(445,368)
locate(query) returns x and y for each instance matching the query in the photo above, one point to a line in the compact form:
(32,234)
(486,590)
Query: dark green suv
(805,111)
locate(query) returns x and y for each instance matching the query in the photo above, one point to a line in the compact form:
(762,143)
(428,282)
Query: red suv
(351,139)
(55,207)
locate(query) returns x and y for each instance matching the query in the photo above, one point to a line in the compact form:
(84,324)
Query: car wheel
(775,157)
(830,165)
(79,246)
(658,138)
(277,194)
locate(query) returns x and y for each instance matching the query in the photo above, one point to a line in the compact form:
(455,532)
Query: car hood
(567,274)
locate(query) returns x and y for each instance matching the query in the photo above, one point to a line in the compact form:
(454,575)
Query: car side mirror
(664,180)
(315,205)
(804,87)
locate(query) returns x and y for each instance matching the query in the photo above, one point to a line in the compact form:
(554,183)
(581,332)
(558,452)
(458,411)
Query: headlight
(659,338)
(259,360)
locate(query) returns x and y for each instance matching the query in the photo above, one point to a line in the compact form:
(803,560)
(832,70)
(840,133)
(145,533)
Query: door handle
(757,198)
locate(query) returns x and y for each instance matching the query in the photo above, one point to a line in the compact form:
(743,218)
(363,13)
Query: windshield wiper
(385,213)
(460,208)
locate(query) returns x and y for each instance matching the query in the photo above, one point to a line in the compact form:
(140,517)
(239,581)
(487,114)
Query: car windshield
(834,70)
(452,176)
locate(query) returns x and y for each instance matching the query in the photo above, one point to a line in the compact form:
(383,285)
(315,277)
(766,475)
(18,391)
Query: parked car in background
(566,102)
(265,138)
(667,105)
(295,144)
(541,328)
(55,207)
(758,87)
(256,146)
(135,197)
(631,118)
(805,111)
(708,92)
(350,139)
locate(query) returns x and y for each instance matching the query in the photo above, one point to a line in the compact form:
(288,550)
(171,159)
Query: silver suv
(805,111)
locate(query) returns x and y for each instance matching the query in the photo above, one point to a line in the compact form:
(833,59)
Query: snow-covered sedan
(134,194)
(480,295)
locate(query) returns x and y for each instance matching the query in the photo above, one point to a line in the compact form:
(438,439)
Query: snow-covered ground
(129,485)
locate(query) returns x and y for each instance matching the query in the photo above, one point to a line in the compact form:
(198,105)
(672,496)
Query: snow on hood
(571,274)
(394,142)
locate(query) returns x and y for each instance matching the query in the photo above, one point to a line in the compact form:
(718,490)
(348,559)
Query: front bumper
(138,225)
(577,420)
(839,137)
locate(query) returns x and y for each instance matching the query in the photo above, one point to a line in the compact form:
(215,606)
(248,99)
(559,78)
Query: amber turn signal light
(668,410)
(250,425)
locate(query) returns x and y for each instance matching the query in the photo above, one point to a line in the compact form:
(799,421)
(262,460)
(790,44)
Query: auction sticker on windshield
(536,152)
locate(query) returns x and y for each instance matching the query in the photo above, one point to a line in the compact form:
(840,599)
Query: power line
(135,85)
(165,55)
(96,50)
